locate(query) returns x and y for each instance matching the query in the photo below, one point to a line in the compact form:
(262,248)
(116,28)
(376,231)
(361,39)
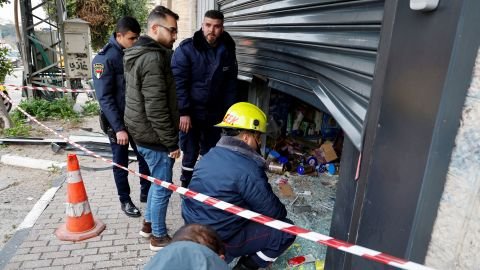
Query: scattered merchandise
(299,260)
(286,190)
(281,180)
(303,163)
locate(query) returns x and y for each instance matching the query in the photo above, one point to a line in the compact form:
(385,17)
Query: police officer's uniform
(109,82)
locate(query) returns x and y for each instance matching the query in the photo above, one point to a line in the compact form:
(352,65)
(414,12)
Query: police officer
(109,85)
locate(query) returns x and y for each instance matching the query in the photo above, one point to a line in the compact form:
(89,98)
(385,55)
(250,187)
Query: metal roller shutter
(321,51)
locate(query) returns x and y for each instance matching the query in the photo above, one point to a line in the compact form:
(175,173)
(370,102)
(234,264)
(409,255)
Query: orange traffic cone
(80,223)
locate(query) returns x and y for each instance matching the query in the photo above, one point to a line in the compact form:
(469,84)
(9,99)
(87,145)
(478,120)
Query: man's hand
(175,154)
(122,137)
(185,123)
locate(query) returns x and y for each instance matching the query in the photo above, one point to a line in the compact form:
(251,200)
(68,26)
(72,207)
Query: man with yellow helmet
(234,172)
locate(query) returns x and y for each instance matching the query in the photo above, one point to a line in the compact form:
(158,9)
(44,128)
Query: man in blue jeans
(151,114)
(109,83)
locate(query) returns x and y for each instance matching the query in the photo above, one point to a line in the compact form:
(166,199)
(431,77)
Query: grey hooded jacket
(186,255)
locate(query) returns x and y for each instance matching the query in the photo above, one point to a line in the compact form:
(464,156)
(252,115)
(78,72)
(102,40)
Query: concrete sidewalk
(118,247)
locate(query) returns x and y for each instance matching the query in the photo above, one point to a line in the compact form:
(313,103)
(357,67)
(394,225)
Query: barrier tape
(250,215)
(45,88)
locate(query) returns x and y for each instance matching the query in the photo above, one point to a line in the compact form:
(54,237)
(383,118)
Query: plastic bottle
(321,168)
(331,168)
(305,169)
(311,160)
(273,154)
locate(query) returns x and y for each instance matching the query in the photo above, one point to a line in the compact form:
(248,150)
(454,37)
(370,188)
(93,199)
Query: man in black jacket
(205,71)
(109,85)
(151,114)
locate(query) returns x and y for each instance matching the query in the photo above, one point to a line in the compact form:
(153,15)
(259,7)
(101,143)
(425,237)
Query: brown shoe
(146,230)
(157,243)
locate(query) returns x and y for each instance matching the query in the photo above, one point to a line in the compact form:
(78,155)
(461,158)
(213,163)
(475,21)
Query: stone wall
(187,10)
(455,242)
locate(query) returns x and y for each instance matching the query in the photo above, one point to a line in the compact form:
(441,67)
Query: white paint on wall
(455,242)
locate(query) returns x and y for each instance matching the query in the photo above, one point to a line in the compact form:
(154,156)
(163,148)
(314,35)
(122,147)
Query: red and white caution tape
(250,215)
(45,88)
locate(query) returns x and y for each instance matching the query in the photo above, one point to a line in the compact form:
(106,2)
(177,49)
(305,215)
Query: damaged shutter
(321,51)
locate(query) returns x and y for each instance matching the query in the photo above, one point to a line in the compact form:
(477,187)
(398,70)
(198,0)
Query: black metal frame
(35,73)
(423,72)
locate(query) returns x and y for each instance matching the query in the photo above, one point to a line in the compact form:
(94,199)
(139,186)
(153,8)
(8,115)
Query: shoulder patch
(98,69)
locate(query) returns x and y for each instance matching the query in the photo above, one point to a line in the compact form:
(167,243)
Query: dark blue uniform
(109,82)
(206,82)
(234,173)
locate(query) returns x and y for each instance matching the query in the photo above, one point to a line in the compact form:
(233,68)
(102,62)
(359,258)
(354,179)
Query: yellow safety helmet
(244,115)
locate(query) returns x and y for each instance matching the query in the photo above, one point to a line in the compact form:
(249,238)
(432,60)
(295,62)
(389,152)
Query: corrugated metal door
(321,51)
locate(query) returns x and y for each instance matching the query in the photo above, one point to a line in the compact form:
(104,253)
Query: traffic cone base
(80,224)
(63,234)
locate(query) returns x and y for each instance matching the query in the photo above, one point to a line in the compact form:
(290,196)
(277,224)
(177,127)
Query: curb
(10,248)
(32,163)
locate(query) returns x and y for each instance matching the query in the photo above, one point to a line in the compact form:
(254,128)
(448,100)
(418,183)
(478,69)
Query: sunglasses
(172,30)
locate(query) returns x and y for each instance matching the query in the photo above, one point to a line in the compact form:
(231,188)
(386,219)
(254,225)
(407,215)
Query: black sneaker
(185,184)
(157,243)
(245,263)
(130,209)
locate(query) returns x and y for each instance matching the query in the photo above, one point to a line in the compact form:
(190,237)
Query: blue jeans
(160,165)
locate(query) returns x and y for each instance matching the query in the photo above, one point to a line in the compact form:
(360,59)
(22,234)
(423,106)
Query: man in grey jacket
(151,114)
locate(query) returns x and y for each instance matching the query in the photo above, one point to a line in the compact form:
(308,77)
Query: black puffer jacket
(151,111)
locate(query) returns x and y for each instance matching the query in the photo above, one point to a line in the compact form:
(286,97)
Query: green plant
(91,108)
(6,67)
(19,129)
(41,109)
(61,108)
(54,169)
(2,2)
(101,14)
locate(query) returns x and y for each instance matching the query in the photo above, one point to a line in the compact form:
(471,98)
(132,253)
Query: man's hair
(235,132)
(160,12)
(201,234)
(214,14)
(126,24)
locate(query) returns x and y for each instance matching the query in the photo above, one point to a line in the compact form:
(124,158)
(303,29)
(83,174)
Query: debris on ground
(303,151)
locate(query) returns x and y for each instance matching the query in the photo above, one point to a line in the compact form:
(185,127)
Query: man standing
(234,172)
(109,83)
(205,71)
(151,114)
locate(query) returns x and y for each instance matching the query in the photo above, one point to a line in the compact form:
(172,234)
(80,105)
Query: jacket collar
(115,43)
(241,147)
(147,41)
(201,44)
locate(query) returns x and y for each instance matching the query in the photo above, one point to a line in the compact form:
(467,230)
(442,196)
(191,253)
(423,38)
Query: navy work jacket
(234,173)
(109,82)
(205,77)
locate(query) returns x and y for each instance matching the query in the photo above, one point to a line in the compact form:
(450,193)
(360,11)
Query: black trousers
(120,156)
(198,141)
(261,243)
